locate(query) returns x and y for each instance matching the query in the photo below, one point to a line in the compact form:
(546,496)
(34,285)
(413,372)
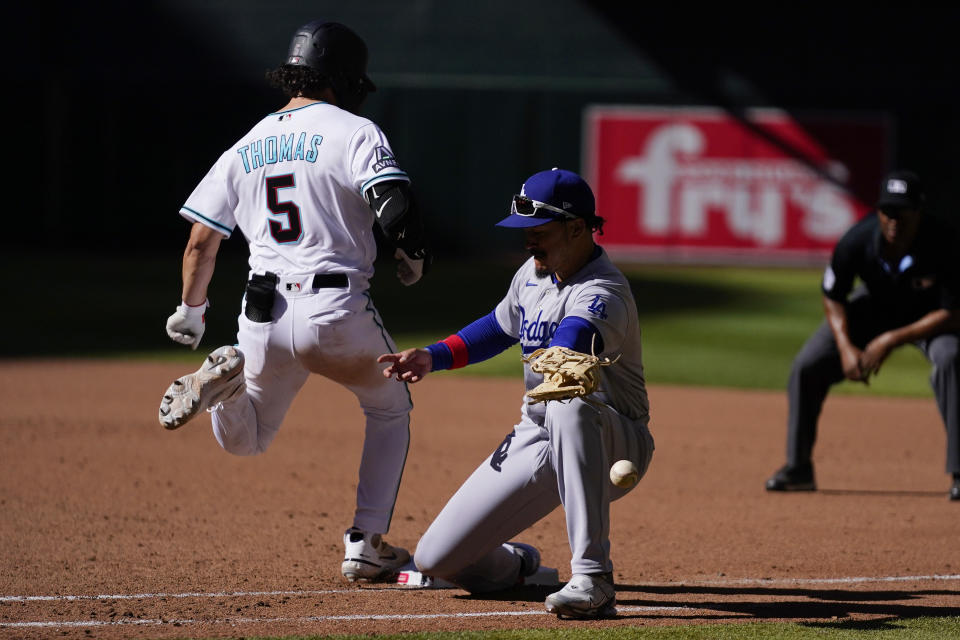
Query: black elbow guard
(397,214)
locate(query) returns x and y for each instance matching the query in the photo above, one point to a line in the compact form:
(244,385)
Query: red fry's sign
(698,184)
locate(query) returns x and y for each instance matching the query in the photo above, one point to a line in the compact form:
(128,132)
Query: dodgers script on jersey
(598,293)
(299,225)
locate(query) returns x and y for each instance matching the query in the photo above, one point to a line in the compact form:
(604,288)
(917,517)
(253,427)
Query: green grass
(742,327)
(881,629)
(715,326)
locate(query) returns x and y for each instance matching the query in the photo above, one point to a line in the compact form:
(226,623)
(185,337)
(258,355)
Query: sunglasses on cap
(524,206)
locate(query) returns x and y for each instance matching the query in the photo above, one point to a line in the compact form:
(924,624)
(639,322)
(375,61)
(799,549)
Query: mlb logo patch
(896,186)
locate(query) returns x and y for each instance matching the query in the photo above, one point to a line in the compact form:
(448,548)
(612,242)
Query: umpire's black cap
(900,190)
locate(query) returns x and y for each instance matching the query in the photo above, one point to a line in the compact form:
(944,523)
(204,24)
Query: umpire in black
(909,291)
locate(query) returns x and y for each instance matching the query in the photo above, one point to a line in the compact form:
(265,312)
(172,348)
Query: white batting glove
(187,324)
(408,269)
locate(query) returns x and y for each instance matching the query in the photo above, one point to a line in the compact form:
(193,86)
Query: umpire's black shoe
(955,489)
(789,478)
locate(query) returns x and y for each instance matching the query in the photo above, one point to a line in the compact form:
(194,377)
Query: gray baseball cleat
(368,557)
(585,596)
(219,379)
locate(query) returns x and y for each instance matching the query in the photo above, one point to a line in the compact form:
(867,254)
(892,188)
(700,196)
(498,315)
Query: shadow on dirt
(813,607)
(517,594)
(884,492)
(787,603)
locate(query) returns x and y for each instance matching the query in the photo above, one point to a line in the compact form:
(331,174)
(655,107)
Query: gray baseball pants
(817,367)
(566,461)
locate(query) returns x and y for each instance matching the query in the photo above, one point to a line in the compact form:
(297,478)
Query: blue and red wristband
(480,340)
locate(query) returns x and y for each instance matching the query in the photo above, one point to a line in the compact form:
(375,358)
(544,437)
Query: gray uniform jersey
(598,293)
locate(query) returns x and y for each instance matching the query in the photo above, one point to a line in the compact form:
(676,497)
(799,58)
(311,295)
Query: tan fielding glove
(566,373)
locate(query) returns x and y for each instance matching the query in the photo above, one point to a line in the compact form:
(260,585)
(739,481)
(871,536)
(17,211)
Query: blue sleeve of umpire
(478,341)
(578,334)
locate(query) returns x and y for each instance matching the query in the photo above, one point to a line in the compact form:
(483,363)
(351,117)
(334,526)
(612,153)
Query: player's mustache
(539,255)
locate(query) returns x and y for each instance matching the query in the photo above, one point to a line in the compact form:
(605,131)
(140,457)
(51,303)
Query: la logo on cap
(896,186)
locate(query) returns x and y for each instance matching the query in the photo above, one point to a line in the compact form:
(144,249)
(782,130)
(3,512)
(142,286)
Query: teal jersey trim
(206,219)
(396,175)
(306,106)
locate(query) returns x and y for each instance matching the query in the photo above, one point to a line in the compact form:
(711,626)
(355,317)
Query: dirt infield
(113,527)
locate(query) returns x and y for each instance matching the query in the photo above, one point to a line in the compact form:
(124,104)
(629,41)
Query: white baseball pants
(336,333)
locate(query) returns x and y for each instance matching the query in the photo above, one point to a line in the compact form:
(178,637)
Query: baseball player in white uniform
(305,186)
(568,294)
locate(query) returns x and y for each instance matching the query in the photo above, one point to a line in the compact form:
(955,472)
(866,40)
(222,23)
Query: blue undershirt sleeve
(483,339)
(578,334)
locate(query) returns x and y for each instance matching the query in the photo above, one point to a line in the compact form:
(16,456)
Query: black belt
(330,281)
(320,280)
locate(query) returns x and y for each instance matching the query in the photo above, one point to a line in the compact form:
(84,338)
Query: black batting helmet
(338,54)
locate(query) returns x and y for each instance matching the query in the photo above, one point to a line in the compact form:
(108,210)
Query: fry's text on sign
(701,181)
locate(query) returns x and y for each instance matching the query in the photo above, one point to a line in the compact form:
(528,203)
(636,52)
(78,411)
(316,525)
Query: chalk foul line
(356,590)
(425,616)
(309,619)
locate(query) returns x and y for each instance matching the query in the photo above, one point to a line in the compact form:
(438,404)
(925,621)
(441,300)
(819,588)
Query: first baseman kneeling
(567,295)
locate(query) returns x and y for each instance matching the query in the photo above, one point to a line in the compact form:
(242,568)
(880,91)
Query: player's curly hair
(298,81)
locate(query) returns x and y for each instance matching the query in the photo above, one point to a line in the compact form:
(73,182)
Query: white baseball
(624,474)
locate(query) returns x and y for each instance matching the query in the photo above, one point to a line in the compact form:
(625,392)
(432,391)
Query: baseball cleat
(368,557)
(585,596)
(529,558)
(219,379)
(788,478)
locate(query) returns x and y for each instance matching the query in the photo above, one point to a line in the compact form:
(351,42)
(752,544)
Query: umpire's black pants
(817,367)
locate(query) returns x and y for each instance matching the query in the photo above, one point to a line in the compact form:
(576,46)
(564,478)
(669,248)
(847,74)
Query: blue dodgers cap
(565,194)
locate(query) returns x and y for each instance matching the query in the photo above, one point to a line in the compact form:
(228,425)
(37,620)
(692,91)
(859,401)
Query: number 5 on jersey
(293,230)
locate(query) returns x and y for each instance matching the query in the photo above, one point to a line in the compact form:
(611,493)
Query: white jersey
(294,185)
(600,294)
